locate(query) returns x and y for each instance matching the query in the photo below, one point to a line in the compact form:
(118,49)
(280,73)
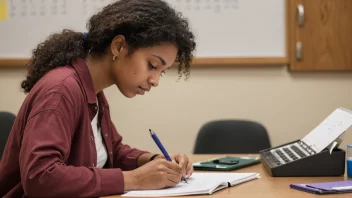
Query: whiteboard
(223,28)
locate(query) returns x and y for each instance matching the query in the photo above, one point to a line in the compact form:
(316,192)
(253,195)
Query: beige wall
(290,105)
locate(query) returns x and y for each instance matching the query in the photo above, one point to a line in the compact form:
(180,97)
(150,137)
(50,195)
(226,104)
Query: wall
(290,105)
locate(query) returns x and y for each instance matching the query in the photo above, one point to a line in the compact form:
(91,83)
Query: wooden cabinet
(320,35)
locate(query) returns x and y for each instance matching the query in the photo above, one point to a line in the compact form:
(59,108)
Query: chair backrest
(231,136)
(6,121)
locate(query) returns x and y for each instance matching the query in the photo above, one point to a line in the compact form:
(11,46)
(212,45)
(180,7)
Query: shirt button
(93,164)
(92,137)
(110,152)
(106,135)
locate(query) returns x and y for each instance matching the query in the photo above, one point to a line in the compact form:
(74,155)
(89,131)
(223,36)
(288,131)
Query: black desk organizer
(318,164)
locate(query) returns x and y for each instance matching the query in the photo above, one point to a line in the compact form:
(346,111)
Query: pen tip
(151,132)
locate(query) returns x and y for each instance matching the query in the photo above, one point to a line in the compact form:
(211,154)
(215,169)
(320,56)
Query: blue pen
(162,149)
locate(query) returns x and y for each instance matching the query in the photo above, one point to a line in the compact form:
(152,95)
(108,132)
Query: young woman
(63,142)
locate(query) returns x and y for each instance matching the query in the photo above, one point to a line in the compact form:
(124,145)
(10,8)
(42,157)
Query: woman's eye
(151,66)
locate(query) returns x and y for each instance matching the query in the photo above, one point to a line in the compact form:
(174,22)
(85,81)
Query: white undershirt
(102,155)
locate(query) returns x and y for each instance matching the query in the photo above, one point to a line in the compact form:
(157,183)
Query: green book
(226,163)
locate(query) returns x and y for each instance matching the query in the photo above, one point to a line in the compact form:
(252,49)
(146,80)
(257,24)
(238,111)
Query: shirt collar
(84,75)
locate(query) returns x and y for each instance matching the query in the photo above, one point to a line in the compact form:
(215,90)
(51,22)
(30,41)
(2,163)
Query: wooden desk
(266,186)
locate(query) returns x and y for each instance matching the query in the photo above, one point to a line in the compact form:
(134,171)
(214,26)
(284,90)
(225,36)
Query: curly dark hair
(143,23)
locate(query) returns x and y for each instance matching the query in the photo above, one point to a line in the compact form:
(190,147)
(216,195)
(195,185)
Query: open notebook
(198,183)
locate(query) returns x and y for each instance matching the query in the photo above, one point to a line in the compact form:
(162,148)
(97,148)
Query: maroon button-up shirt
(51,149)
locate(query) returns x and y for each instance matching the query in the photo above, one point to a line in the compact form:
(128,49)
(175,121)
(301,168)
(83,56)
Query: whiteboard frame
(201,62)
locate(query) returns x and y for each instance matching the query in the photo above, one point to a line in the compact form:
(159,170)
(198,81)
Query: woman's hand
(184,163)
(157,174)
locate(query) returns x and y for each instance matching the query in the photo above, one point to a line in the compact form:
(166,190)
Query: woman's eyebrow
(161,59)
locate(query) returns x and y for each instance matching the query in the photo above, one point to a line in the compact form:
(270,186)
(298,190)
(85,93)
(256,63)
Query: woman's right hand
(155,174)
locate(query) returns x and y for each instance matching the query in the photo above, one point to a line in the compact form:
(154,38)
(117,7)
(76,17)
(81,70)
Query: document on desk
(329,130)
(335,187)
(198,183)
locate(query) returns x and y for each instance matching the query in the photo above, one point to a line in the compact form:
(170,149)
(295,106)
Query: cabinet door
(320,35)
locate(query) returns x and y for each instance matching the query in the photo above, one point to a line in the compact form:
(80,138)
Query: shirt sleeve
(125,157)
(45,146)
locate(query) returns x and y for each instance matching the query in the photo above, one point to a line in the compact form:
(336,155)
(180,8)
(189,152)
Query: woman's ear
(117,44)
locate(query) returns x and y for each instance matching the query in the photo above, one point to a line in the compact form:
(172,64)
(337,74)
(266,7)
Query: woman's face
(139,72)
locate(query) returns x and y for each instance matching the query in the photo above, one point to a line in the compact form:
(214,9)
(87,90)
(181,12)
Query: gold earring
(114,57)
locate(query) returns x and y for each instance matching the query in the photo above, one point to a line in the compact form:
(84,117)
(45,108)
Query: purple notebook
(325,187)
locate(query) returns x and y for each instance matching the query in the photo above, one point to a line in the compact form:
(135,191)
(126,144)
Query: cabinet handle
(300,14)
(299,51)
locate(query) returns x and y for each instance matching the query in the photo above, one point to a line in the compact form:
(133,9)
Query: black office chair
(6,121)
(231,136)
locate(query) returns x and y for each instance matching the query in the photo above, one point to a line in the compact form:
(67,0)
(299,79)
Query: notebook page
(199,183)
(233,178)
(328,130)
(245,179)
